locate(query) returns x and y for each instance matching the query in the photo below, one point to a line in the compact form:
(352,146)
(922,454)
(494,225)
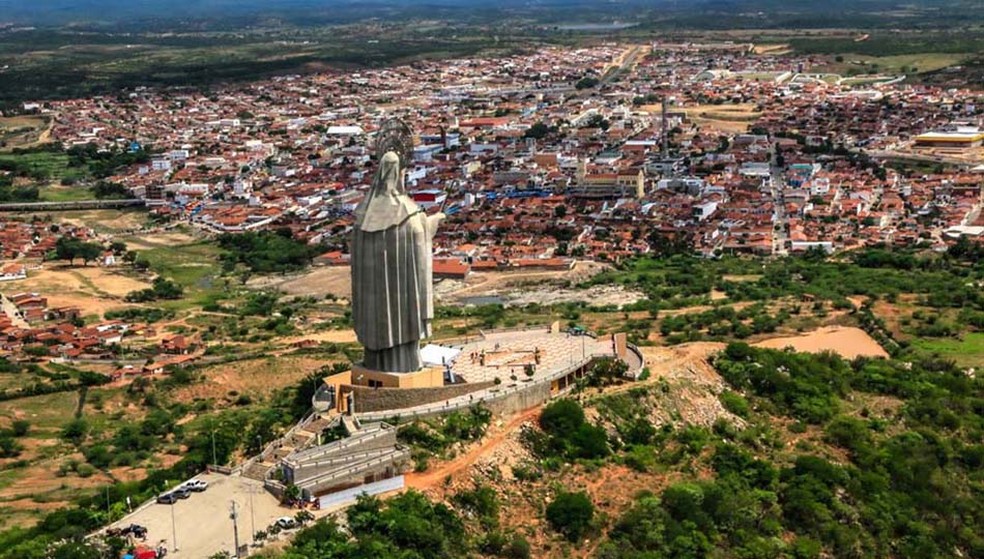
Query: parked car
(196,485)
(167,499)
(181,493)
(286,522)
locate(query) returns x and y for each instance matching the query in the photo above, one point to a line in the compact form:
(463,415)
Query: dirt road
(435,477)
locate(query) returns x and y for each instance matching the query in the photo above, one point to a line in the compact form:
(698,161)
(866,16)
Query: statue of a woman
(392,272)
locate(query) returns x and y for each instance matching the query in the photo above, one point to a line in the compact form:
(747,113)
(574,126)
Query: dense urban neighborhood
(648,297)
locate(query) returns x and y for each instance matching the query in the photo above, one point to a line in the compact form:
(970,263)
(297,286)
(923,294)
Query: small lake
(614,26)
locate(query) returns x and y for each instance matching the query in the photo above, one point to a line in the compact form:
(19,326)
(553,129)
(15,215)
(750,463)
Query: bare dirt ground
(334,336)
(92,288)
(336,280)
(158,240)
(24,131)
(726,118)
(101,221)
(111,281)
(774,50)
(496,436)
(848,342)
(542,287)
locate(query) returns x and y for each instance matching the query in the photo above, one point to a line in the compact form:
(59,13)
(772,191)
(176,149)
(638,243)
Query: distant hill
(231,13)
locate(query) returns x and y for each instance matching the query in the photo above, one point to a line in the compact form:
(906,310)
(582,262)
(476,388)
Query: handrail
(490,394)
(355,457)
(353,470)
(359,438)
(271,446)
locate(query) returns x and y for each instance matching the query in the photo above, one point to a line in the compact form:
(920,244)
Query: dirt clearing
(848,342)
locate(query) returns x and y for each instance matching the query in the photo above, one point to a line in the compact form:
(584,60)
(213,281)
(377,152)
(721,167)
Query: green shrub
(21,427)
(571,514)
(735,403)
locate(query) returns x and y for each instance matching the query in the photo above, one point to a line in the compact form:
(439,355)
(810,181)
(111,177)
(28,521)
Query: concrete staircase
(295,441)
(258,470)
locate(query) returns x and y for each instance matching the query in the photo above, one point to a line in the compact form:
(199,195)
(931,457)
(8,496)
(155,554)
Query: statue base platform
(337,392)
(428,377)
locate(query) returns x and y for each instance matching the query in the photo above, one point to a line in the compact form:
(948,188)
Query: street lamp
(174,529)
(235,527)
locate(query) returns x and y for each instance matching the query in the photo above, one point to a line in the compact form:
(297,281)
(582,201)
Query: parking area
(202,523)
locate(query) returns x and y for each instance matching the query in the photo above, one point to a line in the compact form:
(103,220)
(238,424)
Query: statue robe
(392,274)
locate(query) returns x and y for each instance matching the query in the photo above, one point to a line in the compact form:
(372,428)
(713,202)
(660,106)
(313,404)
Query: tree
(562,417)
(75,431)
(571,514)
(68,248)
(538,131)
(105,189)
(586,82)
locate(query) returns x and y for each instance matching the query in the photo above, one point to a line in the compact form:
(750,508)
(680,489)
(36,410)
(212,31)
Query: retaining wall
(379,399)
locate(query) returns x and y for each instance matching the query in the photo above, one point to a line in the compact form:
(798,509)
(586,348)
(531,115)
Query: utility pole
(174,529)
(252,519)
(215,461)
(235,528)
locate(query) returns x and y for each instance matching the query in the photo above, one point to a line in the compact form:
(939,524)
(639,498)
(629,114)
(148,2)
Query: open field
(23,131)
(846,342)
(898,64)
(101,221)
(44,164)
(194,266)
(967,351)
(162,239)
(93,289)
(336,280)
(726,118)
(57,193)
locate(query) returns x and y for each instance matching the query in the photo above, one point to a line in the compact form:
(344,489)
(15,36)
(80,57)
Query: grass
(897,64)
(16,122)
(968,351)
(195,266)
(65,194)
(21,131)
(48,164)
(48,411)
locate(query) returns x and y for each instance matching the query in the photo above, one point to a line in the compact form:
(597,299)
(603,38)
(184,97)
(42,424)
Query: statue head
(387,203)
(389,174)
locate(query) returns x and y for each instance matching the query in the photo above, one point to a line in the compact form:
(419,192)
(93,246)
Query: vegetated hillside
(815,457)
(237,12)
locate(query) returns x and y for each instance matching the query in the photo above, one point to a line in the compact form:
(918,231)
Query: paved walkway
(502,354)
(506,354)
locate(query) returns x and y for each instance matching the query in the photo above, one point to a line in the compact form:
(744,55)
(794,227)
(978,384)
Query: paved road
(778,183)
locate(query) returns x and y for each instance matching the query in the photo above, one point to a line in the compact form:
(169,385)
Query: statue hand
(433,221)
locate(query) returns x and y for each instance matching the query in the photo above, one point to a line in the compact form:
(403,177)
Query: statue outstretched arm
(433,222)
